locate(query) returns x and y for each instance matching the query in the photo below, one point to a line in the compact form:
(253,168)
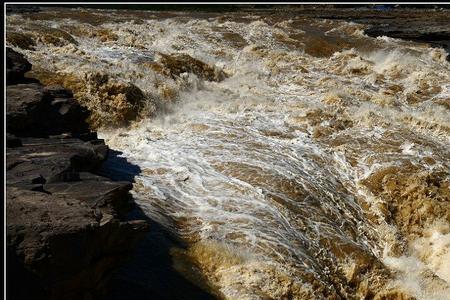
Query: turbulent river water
(297,157)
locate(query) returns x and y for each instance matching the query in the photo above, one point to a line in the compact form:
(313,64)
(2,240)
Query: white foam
(237,161)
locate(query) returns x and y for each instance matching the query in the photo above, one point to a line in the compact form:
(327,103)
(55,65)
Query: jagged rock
(66,228)
(62,244)
(65,232)
(32,110)
(111,197)
(24,107)
(16,67)
(58,91)
(52,160)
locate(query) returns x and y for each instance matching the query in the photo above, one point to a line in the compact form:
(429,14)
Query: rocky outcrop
(34,110)
(65,248)
(66,227)
(52,160)
(16,67)
(12,141)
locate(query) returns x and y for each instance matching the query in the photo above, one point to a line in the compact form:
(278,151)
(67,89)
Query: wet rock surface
(66,227)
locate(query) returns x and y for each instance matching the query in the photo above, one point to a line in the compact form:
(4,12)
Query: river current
(301,159)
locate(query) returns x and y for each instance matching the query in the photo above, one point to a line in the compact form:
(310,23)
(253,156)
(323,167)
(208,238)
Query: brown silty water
(297,157)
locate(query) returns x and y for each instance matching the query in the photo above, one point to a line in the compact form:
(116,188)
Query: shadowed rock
(21,8)
(66,227)
(52,159)
(68,247)
(16,67)
(12,141)
(32,110)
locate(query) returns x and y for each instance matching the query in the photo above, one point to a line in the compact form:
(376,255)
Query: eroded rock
(62,243)
(52,160)
(66,227)
(32,110)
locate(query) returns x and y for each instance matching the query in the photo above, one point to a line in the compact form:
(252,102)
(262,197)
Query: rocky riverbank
(280,154)
(67,229)
(418,24)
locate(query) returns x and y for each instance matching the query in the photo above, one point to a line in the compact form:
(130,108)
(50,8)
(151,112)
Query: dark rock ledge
(67,230)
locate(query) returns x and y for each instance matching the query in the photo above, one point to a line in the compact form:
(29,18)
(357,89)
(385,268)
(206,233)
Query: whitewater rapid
(318,168)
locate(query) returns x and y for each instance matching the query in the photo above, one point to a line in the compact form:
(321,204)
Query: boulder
(60,248)
(16,67)
(32,110)
(41,161)
(111,197)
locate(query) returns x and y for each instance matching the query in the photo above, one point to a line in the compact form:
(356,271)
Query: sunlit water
(318,169)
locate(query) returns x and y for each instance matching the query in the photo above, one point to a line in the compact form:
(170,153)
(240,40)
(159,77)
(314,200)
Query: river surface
(313,164)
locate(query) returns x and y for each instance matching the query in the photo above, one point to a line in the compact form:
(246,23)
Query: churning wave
(298,158)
